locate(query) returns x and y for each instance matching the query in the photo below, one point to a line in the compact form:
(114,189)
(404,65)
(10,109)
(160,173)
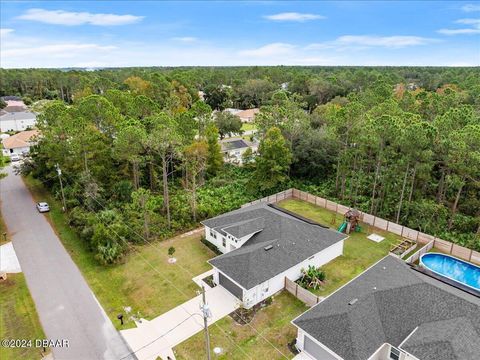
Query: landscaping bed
(244,316)
(270,326)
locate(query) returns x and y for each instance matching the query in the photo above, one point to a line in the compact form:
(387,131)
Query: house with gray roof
(17,120)
(392,312)
(233,149)
(262,244)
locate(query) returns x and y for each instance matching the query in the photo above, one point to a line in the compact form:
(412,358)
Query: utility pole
(59,172)
(206,314)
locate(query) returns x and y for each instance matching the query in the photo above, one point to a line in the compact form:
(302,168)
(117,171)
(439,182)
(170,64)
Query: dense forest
(140,146)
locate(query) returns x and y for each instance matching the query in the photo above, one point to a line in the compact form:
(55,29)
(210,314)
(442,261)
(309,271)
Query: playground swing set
(350,222)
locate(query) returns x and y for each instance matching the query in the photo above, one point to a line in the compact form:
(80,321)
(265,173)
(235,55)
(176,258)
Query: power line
(188,272)
(165,278)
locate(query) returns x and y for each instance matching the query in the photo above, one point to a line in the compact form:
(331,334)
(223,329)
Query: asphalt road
(65,304)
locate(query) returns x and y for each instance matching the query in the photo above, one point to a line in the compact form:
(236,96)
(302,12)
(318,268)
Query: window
(211,233)
(394,354)
(224,242)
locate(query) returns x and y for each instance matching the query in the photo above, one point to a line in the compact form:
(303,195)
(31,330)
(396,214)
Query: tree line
(140,147)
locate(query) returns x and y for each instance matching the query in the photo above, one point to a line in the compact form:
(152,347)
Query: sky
(225,33)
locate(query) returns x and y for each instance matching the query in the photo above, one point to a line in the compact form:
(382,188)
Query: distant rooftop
(232,144)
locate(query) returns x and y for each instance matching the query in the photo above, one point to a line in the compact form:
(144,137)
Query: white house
(19,143)
(392,312)
(17,121)
(233,149)
(262,245)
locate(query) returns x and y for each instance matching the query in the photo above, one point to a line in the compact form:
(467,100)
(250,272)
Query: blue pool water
(452,268)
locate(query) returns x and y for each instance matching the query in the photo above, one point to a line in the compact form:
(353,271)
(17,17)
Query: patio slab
(8,259)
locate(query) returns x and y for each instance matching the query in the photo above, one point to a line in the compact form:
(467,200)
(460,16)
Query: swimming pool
(452,268)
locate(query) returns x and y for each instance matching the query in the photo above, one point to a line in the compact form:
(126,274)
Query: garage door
(231,286)
(315,350)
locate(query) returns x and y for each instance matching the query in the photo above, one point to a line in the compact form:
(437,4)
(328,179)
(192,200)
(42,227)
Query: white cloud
(293,16)
(466,31)
(268,50)
(5,31)
(65,50)
(185,39)
(348,42)
(475,22)
(61,17)
(383,41)
(471,7)
(474,29)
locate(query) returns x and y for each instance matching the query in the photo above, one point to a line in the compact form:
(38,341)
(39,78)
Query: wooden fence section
(301,294)
(398,229)
(420,252)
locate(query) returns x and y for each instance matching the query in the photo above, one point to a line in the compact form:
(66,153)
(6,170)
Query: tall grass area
(359,253)
(145,280)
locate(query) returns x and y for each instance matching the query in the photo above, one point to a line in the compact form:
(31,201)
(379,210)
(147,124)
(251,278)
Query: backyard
(134,282)
(248,126)
(359,253)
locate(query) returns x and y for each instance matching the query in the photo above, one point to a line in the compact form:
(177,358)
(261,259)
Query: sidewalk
(157,337)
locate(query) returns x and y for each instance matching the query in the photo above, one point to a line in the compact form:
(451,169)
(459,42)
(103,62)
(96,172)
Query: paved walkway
(65,304)
(8,259)
(157,337)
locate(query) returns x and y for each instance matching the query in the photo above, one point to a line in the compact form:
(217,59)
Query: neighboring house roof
(22,115)
(249,113)
(14,109)
(233,111)
(292,239)
(392,301)
(22,139)
(234,144)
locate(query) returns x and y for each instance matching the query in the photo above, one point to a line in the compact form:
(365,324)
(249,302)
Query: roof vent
(353,301)
(268,247)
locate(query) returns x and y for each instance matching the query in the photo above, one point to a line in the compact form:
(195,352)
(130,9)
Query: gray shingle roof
(393,300)
(293,241)
(233,144)
(23,115)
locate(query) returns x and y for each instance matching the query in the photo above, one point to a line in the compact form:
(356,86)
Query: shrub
(210,245)
(312,278)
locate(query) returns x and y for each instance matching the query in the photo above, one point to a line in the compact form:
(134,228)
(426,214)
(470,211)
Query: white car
(43,207)
(15,157)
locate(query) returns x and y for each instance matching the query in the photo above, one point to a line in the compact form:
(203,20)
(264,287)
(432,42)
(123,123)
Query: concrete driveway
(65,304)
(157,337)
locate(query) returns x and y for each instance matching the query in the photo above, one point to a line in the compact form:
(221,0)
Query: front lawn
(18,318)
(134,282)
(248,126)
(244,341)
(359,253)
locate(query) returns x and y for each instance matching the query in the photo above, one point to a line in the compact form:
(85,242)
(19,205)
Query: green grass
(134,282)
(359,253)
(248,126)
(18,316)
(242,342)
(3,230)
